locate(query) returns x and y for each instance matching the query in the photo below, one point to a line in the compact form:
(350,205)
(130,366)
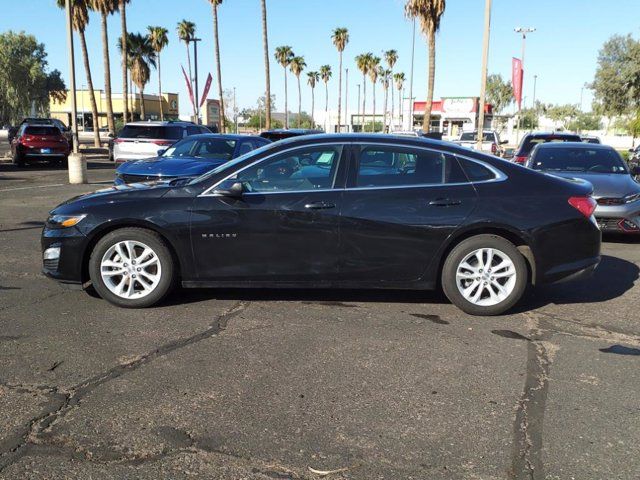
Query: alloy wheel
(486,277)
(130,269)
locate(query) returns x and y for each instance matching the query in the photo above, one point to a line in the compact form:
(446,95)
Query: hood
(613,185)
(170,167)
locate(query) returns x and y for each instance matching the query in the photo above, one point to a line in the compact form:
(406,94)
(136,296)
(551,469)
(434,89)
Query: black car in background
(530,140)
(281,133)
(366,211)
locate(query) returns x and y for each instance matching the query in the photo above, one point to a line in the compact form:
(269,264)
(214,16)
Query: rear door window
(151,132)
(393,166)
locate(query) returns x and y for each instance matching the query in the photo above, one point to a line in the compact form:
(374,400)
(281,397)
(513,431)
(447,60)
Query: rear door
(401,203)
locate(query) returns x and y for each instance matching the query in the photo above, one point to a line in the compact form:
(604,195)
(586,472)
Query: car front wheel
(484,275)
(132,268)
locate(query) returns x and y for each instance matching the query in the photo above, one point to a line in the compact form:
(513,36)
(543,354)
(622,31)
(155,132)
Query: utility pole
(346,99)
(523,31)
(195,67)
(413,52)
(358,100)
(235,110)
(76,162)
(483,75)
(535,81)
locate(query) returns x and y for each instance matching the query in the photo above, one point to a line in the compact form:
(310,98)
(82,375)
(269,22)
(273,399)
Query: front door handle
(444,202)
(319,205)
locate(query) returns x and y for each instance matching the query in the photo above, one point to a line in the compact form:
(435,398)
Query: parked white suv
(138,140)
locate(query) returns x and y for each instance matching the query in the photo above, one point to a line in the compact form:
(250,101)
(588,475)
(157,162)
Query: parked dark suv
(530,140)
(368,211)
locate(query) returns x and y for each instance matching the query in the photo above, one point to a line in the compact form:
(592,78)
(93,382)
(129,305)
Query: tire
(154,275)
(463,270)
(18,159)
(64,163)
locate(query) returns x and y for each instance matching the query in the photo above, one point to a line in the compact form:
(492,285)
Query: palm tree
(340,39)
(186,32)
(122,4)
(106,8)
(283,56)
(399,79)
(297,65)
(362,62)
(325,75)
(214,8)
(374,63)
(429,12)
(312,79)
(80,20)
(142,57)
(159,39)
(385,76)
(265,42)
(391,57)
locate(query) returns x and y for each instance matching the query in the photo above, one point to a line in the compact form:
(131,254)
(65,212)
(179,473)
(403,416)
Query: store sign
(459,106)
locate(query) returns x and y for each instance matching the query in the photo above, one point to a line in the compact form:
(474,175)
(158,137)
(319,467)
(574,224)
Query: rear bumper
(572,271)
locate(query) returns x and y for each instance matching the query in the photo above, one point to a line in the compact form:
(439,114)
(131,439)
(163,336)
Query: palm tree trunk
(326,105)
(340,92)
(373,124)
(107,72)
(386,94)
(364,97)
(125,92)
(426,123)
(399,105)
(299,102)
(160,90)
(267,75)
(217,52)
(92,98)
(142,114)
(393,108)
(286,107)
(313,120)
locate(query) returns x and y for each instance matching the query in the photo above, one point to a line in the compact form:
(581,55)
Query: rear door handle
(319,205)
(444,202)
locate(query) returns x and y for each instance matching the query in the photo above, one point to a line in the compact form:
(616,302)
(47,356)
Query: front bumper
(70,244)
(619,218)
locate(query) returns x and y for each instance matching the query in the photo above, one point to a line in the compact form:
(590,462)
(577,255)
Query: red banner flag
(205,92)
(190,90)
(516,79)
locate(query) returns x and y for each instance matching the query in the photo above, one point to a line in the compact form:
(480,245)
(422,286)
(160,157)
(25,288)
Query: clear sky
(562,52)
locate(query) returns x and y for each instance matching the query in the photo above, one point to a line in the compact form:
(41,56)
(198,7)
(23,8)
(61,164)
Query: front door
(284,227)
(400,205)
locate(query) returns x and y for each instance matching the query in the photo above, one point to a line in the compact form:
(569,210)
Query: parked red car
(39,142)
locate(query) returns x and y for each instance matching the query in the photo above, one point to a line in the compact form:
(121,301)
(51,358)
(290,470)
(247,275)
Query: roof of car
(300,131)
(156,123)
(552,134)
(226,136)
(585,145)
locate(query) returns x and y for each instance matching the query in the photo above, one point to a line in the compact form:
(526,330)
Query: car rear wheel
(484,275)
(132,268)
(18,159)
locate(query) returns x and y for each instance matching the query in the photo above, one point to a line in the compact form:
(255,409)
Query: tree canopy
(24,78)
(499,92)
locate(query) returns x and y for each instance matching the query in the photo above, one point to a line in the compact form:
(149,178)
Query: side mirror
(161,151)
(234,191)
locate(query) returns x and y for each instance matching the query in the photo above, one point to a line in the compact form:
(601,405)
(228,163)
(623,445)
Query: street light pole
(535,81)
(72,78)
(523,31)
(195,67)
(483,74)
(413,52)
(346,99)
(359,101)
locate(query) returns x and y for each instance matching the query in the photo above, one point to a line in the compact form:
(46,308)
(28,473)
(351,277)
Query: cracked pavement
(270,384)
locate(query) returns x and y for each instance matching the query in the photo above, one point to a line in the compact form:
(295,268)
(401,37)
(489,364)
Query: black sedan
(332,211)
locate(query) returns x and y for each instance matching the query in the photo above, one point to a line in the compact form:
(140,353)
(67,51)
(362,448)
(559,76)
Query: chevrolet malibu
(354,211)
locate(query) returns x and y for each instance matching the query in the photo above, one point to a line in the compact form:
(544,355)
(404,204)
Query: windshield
(596,160)
(473,136)
(205,148)
(42,130)
(233,163)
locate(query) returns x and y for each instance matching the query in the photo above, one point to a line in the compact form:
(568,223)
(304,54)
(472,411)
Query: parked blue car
(188,158)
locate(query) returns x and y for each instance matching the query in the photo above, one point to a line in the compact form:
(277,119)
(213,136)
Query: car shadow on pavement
(613,277)
(47,166)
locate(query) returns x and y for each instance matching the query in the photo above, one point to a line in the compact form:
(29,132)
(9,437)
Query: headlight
(64,221)
(631,198)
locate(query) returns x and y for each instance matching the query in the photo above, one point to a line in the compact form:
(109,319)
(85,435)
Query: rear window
(473,136)
(154,132)
(41,130)
(476,172)
(593,160)
(529,142)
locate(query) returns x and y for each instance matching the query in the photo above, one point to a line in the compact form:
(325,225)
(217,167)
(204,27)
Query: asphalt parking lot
(270,384)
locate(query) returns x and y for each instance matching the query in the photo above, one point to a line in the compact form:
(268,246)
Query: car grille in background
(609,223)
(610,201)
(138,178)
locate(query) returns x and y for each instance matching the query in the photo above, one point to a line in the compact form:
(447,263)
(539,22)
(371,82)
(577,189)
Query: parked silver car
(614,188)
(139,140)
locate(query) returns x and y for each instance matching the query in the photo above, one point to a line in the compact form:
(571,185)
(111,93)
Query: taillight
(118,140)
(520,159)
(494,148)
(585,205)
(163,143)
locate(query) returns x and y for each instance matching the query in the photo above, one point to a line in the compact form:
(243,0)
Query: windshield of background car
(596,160)
(473,136)
(207,148)
(41,130)
(151,132)
(529,142)
(233,163)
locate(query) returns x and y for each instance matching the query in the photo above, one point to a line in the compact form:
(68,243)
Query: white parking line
(35,186)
